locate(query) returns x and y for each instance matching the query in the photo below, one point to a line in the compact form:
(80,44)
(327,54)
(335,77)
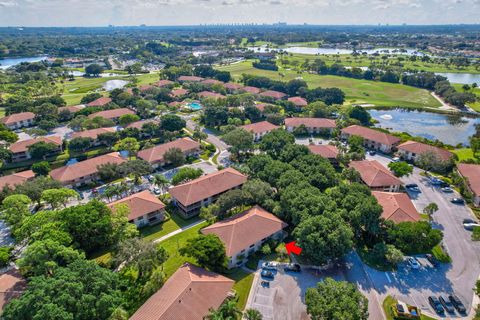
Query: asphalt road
(459,277)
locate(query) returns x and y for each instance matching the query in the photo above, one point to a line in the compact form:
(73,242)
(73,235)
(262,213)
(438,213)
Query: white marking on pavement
(388,278)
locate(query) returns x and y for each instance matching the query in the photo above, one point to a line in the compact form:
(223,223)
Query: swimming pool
(195,106)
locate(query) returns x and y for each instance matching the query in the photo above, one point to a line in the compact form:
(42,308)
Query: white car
(270,265)
(396,159)
(447,189)
(413,263)
(157,191)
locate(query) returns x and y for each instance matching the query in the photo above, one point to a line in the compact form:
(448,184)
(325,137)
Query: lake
(450,129)
(463,78)
(114,84)
(307,50)
(10,62)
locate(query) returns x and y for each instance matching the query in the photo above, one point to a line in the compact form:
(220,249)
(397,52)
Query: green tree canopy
(208,250)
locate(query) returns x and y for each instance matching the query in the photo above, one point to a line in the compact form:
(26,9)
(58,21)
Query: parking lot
(284,299)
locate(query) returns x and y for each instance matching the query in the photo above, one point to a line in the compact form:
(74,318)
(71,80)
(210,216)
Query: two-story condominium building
(15,179)
(93,134)
(376,176)
(18,120)
(191,196)
(145,208)
(372,139)
(410,150)
(313,125)
(190,79)
(100,102)
(83,172)
(72,109)
(210,95)
(232,86)
(245,233)
(397,206)
(326,151)
(189,294)
(177,93)
(20,152)
(155,155)
(276,95)
(251,90)
(139,124)
(113,114)
(471,174)
(299,102)
(259,129)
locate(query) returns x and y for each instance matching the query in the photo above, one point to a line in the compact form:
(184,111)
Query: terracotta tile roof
(273,94)
(232,86)
(187,295)
(207,186)
(261,106)
(252,90)
(111,114)
(178,92)
(374,174)
(80,169)
(12,285)
(145,87)
(472,173)
(72,109)
(16,117)
(139,124)
(326,151)
(208,94)
(311,122)
(93,133)
(22,146)
(419,148)
(163,83)
(259,127)
(174,103)
(397,207)
(16,178)
(190,78)
(371,134)
(242,230)
(298,101)
(140,204)
(100,102)
(211,81)
(155,154)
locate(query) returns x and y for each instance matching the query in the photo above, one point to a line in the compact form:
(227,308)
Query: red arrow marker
(293,248)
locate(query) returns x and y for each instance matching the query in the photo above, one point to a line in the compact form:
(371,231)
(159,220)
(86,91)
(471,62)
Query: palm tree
(252,314)
(228,310)
(160,181)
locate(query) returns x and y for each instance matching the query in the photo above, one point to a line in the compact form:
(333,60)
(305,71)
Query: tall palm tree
(160,181)
(227,311)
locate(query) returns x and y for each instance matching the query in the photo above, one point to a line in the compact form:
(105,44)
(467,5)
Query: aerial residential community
(323,167)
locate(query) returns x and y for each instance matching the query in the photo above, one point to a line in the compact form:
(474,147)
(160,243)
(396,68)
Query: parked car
(436,181)
(447,189)
(295,267)
(436,305)
(372,152)
(157,191)
(470,226)
(413,263)
(270,265)
(447,305)
(411,185)
(267,274)
(415,189)
(265,284)
(432,259)
(457,303)
(150,178)
(457,201)
(396,159)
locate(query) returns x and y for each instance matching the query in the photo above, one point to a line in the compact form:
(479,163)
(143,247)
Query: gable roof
(472,173)
(187,295)
(22,146)
(163,83)
(371,134)
(252,90)
(419,148)
(327,151)
(155,154)
(298,101)
(232,86)
(190,78)
(259,127)
(242,230)
(16,117)
(311,122)
(93,133)
(374,174)
(84,168)
(139,124)
(100,102)
(207,186)
(273,94)
(140,204)
(111,114)
(178,92)
(397,207)
(12,285)
(72,109)
(15,179)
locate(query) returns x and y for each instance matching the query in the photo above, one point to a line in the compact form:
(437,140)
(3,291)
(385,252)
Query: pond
(307,50)
(114,84)
(10,62)
(463,78)
(450,129)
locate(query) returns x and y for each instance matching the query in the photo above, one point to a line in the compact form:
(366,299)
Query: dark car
(411,185)
(457,303)
(436,305)
(267,274)
(265,284)
(295,267)
(372,152)
(447,304)
(457,201)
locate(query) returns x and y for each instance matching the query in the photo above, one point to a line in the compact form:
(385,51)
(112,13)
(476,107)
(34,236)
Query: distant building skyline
(58,13)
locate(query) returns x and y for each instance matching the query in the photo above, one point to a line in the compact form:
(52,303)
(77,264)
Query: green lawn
(356,91)
(475,105)
(464,154)
(174,223)
(242,286)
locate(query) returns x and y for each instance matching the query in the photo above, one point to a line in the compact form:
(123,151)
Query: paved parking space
(285,298)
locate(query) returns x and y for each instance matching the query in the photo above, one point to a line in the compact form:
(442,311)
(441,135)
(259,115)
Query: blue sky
(192,12)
